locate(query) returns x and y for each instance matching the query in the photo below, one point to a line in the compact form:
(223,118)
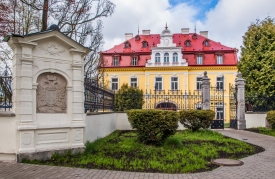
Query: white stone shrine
(48,92)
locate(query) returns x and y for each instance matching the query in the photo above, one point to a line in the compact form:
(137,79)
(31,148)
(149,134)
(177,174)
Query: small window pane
(157,58)
(158,83)
(175,57)
(199,59)
(134,82)
(114,84)
(166,57)
(199,81)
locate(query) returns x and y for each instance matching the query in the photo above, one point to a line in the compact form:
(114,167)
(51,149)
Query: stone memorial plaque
(51,93)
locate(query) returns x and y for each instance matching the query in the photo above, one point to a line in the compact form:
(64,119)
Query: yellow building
(169,69)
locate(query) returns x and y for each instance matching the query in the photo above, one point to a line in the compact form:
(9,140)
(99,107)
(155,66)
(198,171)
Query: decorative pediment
(54,47)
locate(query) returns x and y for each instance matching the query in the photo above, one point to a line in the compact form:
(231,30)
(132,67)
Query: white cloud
(229,20)
(226,23)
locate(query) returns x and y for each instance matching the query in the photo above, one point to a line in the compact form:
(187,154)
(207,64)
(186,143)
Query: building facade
(172,64)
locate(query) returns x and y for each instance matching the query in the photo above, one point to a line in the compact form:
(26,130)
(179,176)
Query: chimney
(128,36)
(146,32)
(185,30)
(204,34)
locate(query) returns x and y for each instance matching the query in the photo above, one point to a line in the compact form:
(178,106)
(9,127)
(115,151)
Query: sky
(225,20)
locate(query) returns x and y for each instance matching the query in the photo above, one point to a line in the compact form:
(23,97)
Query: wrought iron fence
(5,93)
(233,105)
(259,103)
(172,99)
(217,105)
(97,99)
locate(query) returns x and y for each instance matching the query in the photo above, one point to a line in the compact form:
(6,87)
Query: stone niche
(51,93)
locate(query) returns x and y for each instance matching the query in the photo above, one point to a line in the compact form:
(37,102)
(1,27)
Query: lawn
(263,130)
(184,152)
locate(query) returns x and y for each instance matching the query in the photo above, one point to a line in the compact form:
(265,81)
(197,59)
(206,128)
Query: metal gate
(233,106)
(217,105)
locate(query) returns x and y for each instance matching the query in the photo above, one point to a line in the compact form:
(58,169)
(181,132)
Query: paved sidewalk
(258,166)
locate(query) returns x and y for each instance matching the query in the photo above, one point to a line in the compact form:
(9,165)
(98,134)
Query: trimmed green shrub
(127,98)
(153,126)
(196,119)
(270,117)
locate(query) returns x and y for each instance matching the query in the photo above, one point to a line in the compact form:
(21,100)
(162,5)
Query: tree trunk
(45,15)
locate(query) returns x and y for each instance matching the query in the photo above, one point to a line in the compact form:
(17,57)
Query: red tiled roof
(189,53)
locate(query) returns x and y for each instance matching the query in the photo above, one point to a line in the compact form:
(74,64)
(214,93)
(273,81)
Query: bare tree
(5,20)
(78,19)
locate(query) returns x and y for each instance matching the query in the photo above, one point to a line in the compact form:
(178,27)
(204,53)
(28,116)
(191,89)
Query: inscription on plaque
(51,93)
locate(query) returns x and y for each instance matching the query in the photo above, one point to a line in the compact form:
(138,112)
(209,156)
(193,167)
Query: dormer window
(219,58)
(194,36)
(127,44)
(187,43)
(199,59)
(134,61)
(137,37)
(115,61)
(157,58)
(206,43)
(144,44)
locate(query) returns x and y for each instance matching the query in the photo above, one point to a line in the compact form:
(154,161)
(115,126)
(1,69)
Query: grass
(184,152)
(263,130)
(227,125)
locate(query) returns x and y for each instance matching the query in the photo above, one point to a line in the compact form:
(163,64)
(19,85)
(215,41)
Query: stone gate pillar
(205,92)
(240,84)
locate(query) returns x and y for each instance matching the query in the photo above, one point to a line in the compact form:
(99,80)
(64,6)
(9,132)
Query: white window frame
(132,83)
(114,83)
(199,59)
(219,59)
(166,57)
(160,84)
(174,84)
(198,83)
(219,81)
(157,58)
(134,61)
(115,61)
(175,57)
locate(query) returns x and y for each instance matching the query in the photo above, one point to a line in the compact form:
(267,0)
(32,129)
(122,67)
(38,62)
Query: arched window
(167,106)
(166,57)
(175,57)
(157,58)
(127,44)
(144,44)
(206,43)
(187,43)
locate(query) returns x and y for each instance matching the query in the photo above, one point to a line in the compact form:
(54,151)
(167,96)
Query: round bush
(196,119)
(270,117)
(153,126)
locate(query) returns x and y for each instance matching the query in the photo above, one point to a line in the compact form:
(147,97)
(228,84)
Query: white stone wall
(7,137)
(255,120)
(101,125)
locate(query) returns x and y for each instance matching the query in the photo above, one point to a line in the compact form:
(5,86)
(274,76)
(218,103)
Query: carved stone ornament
(51,93)
(166,42)
(52,48)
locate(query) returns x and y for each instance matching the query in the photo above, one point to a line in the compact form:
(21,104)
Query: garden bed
(184,152)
